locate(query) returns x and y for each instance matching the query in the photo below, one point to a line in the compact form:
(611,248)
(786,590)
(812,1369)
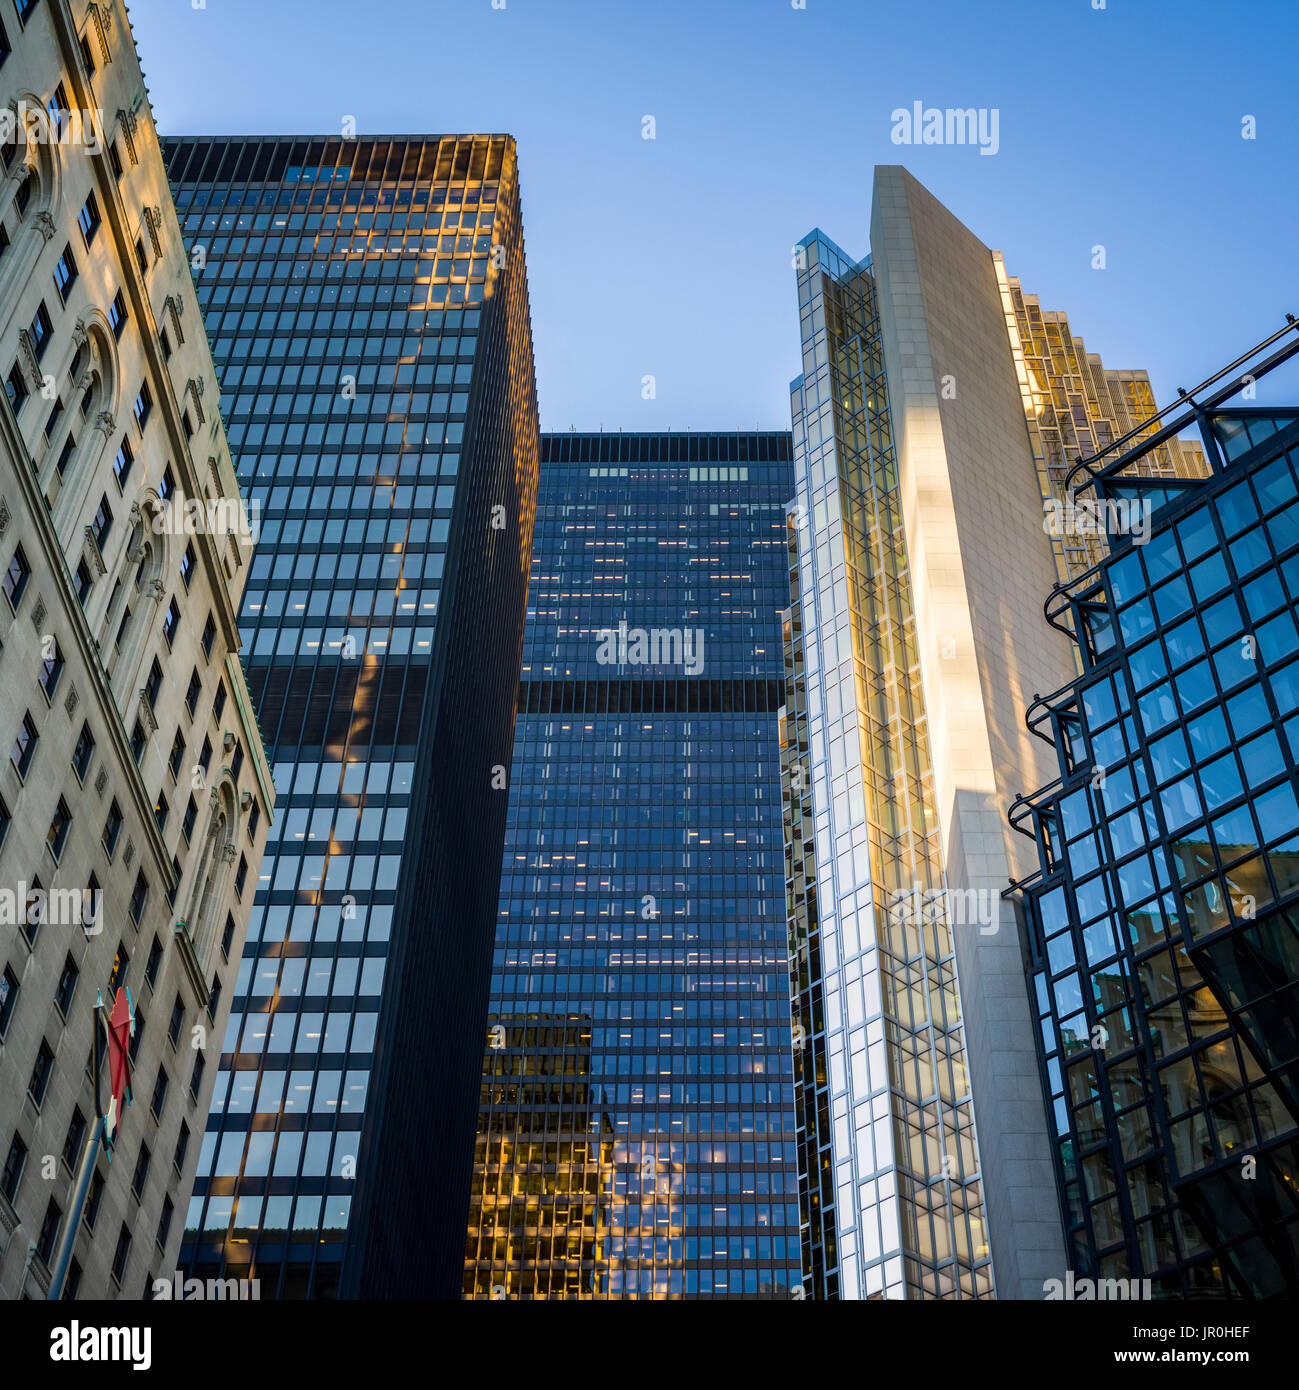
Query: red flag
(121,1029)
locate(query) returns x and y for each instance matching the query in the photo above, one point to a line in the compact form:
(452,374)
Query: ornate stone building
(135,801)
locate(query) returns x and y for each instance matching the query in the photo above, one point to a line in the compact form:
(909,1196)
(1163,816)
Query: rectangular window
(65,273)
(196,1076)
(159,1098)
(177,1020)
(139,894)
(65,454)
(52,423)
(138,741)
(117,314)
(88,219)
(41,1073)
(154,684)
(112,828)
(161,811)
(164,1221)
(177,755)
(103,522)
(209,636)
(141,258)
(83,753)
(194,691)
(122,1254)
(34,913)
(117,975)
(24,749)
(16,577)
(187,566)
(49,1230)
(182,1147)
(67,986)
(141,1175)
(87,53)
(187,824)
(41,330)
(154,961)
(122,463)
(57,107)
(75,1138)
(143,406)
(219,701)
(24,8)
(13,1169)
(241,876)
(16,388)
(9,988)
(171,623)
(115,160)
(51,670)
(93,1200)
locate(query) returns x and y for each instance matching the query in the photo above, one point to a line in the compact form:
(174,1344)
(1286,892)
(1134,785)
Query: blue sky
(671,257)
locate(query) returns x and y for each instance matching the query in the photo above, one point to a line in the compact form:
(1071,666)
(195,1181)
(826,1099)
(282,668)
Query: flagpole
(81,1185)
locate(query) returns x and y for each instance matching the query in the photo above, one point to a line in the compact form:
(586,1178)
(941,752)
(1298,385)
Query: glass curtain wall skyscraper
(367,306)
(1163,917)
(933,424)
(636,1129)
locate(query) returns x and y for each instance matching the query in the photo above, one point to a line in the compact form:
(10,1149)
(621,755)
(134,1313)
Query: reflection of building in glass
(367,303)
(544,1167)
(1075,407)
(933,420)
(1164,919)
(640,968)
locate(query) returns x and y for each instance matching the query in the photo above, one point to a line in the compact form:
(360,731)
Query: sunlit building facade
(367,306)
(136,796)
(933,423)
(636,1129)
(1163,917)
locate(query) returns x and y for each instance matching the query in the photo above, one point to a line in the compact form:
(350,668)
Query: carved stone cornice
(147,716)
(102,17)
(27,356)
(93,550)
(175,306)
(126,119)
(153,221)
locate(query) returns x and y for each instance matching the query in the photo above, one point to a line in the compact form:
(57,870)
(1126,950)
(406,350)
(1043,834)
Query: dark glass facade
(367,306)
(1163,928)
(636,1127)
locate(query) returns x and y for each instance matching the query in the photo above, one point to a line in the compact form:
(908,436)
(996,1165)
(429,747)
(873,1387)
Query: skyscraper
(1163,916)
(136,795)
(931,428)
(367,303)
(636,1127)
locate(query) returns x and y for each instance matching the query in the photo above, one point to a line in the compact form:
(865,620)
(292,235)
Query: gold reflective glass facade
(1076,407)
